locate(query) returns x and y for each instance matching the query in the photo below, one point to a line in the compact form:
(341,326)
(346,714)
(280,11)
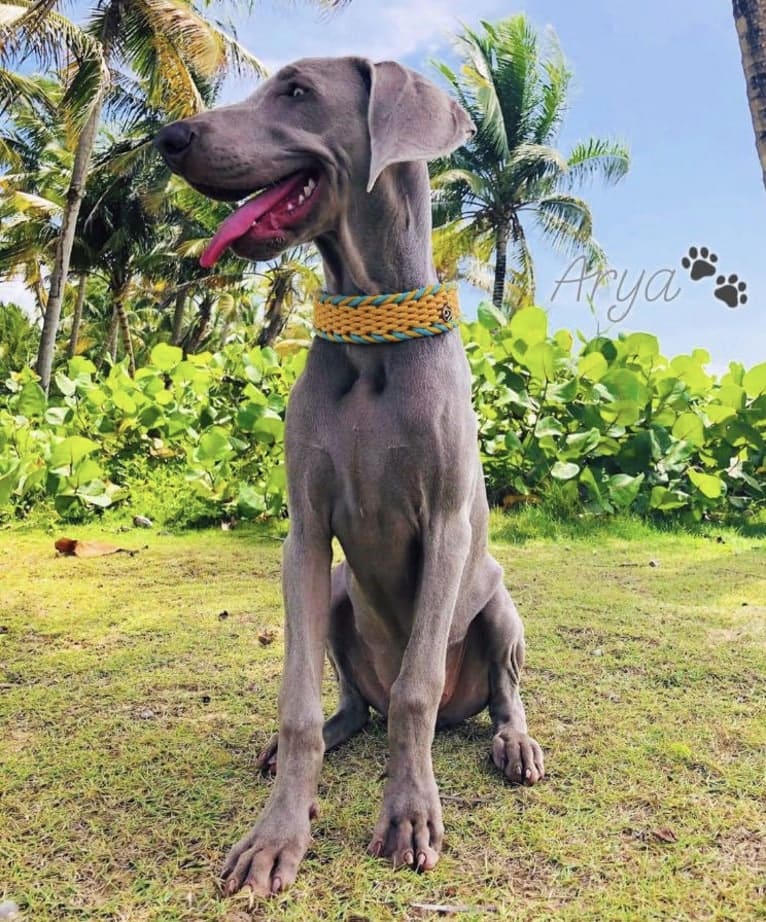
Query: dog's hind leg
(514,751)
(353,711)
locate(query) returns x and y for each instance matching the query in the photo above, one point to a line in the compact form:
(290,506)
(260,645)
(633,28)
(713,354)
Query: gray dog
(381,445)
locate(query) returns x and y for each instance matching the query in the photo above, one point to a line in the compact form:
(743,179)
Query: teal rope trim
(377,300)
(413,333)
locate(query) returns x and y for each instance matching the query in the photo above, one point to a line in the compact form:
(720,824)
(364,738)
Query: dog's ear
(410,118)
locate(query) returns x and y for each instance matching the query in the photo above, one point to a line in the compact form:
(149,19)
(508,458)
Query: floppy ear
(409,118)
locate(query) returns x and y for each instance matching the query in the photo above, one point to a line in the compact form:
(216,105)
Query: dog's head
(315,133)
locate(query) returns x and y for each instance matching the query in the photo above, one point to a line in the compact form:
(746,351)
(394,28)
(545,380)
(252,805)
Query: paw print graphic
(700,263)
(731,291)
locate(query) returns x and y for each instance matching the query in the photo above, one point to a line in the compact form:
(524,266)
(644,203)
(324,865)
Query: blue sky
(664,76)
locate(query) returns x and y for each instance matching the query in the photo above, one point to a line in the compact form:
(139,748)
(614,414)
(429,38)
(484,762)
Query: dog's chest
(375,449)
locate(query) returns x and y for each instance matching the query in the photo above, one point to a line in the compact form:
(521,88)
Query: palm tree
(170,48)
(750,20)
(289,282)
(34,157)
(516,95)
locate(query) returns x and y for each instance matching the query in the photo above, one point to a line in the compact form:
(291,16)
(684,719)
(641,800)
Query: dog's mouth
(261,222)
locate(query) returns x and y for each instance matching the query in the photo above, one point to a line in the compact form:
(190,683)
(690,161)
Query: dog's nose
(173,142)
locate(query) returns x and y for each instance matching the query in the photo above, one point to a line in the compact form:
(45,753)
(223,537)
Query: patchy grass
(132,709)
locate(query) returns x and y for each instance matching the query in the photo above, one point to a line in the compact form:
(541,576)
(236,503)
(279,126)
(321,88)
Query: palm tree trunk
(65,242)
(201,327)
(750,20)
(122,321)
(178,318)
(501,251)
(41,296)
(274,321)
(77,316)
(110,344)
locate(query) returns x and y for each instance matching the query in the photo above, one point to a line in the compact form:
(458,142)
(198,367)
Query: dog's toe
(518,756)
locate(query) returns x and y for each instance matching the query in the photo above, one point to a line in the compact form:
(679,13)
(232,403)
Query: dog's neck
(383,241)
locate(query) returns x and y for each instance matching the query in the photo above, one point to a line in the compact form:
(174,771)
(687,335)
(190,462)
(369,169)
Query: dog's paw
(267,858)
(518,756)
(409,830)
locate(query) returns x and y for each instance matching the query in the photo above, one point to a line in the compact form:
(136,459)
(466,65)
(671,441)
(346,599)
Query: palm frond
(457,241)
(598,157)
(479,74)
(202,45)
(555,80)
(15,86)
(475,184)
(565,221)
(520,284)
(89,82)
(517,74)
(50,40)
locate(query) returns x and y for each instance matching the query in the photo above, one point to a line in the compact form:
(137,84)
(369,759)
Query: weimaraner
(381,447)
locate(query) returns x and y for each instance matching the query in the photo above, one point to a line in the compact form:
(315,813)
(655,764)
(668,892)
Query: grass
(133,709)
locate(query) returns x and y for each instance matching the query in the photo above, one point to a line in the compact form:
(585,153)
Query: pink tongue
(238,223)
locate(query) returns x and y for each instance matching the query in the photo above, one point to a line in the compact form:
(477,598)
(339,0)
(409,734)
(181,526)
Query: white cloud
(397,29)
(16,292)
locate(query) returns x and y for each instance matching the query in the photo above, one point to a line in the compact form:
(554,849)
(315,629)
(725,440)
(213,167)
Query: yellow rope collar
(390,318)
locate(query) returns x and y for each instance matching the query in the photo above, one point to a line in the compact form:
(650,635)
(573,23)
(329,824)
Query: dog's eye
(296,91)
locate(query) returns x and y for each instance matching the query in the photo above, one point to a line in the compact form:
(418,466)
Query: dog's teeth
(307,190)
(291,206)
(301,199)
(311,185)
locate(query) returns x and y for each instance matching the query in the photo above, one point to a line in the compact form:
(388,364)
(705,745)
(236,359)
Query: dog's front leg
(410,829)
(267,858)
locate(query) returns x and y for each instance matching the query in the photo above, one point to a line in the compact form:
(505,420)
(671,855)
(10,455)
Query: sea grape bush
(610,420)
(614,422)
(217,419)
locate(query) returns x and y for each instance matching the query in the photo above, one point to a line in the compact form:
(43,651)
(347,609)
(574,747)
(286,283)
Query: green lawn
(132,710)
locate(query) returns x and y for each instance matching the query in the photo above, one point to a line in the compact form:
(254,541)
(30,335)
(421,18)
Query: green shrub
(599,425)
(615,424)
(216,420)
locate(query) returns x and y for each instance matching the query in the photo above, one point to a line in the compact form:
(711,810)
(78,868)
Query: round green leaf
(548,425)
(540,359)
(593,366)
(66,385)
(69,451)
(689,427)
(708,485)
(564,470)
(249,501)
(623,489)
(530,324)
(31,400)
(164,356)
(583,442)
(644,345)
(214,444)
(664,500)
(489,316)
(268,428)
(754,381)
